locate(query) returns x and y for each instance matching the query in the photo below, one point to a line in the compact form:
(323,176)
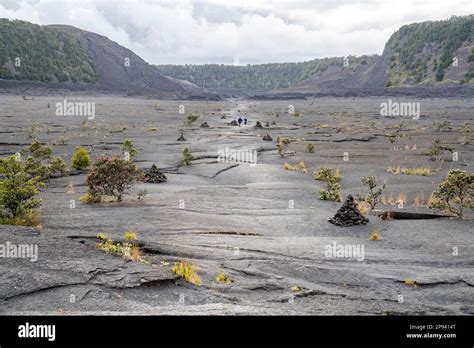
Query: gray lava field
(262,225)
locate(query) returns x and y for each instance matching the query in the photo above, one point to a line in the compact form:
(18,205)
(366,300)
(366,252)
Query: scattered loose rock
(267,137)
(154,176)
(348,215)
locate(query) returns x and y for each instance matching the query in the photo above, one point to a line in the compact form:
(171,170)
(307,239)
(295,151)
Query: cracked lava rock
(348,215)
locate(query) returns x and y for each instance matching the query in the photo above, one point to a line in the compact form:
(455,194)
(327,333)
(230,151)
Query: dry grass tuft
(411,282)
(375,235)
(422,171)
(187,271)
(296,167)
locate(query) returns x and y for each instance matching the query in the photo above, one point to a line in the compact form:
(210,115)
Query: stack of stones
(181,138)
(234,123)
(154,176)
(348,215)
(258,125)
(267,137)
(267,124)
(204,125)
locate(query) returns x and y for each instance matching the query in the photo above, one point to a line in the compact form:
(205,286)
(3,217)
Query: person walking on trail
(245,120)
(239,120)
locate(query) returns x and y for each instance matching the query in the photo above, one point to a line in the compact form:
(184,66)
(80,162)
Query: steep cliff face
(432,53)
(61,53)
(120,68)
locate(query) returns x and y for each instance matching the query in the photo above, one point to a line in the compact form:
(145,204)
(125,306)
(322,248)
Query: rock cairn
(258,125)
(274,123)
(181,138)
(267,137)
(154,176)
(348,215)
(267,124)
(234,123)
(204,125)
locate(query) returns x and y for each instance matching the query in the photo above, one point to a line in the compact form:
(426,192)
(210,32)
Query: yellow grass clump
(187,271)
(411,282)
(296,167)
(223,278)
(375,235)
(421,171)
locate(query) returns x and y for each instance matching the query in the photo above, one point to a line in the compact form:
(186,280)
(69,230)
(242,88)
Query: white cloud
(255,31)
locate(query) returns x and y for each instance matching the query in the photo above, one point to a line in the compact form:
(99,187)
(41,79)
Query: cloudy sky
(247,31)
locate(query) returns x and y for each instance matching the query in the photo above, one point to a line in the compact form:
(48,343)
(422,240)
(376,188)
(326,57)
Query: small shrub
(187,271)
(376,187)
(455,193)
(112,176)
(80,159)
(187,156)
(438,149)
(35,168)
(328,174)
(310,147)
(330,177)
(127,147)
(190,119)
(57,165)
(281,148)
(466,139)
(331,193)
(89,199)
(442,126)
(61,140)
(18,190)
(40,151)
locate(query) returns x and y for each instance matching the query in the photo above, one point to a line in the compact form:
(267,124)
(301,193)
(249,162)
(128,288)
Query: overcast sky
(250,31)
